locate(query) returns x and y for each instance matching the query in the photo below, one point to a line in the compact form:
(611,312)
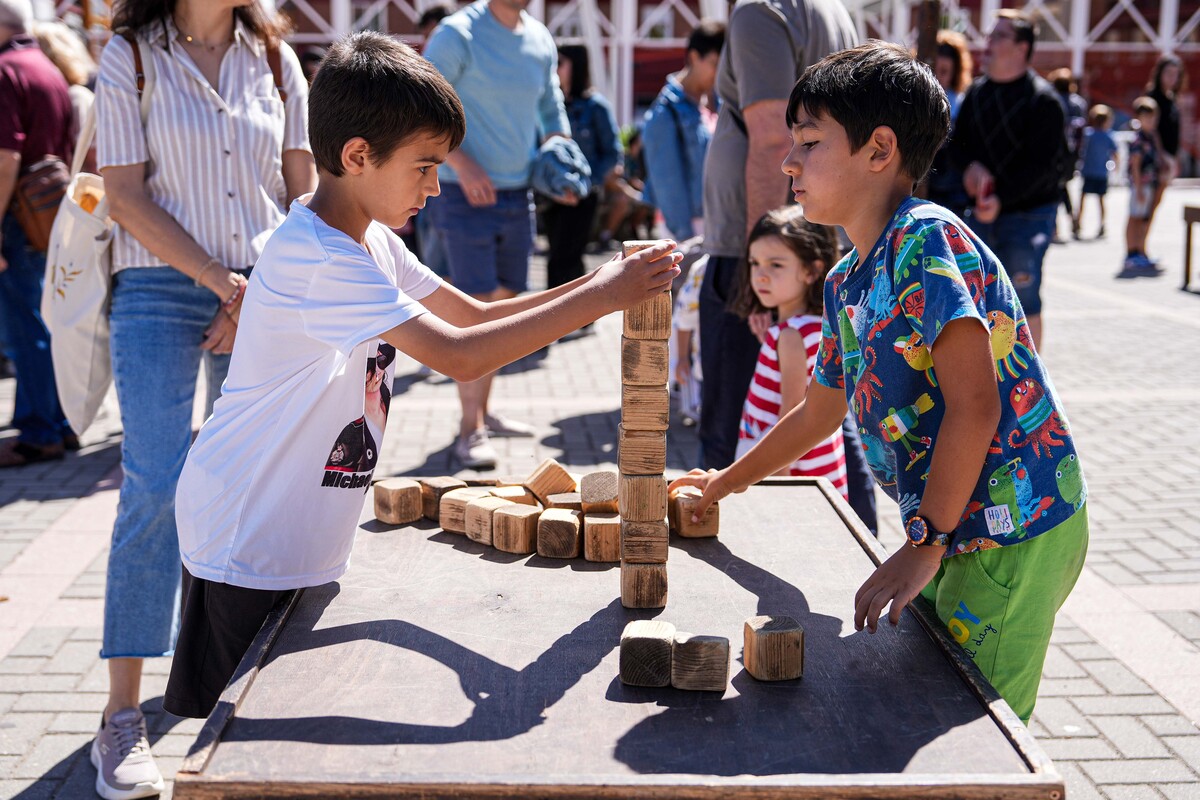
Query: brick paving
(1120,698)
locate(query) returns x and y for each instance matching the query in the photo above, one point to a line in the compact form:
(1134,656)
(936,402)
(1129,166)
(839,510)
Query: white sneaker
(475,451)
(125,767)
(499,425)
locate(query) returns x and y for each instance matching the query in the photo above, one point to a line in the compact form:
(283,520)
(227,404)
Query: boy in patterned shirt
(924,337)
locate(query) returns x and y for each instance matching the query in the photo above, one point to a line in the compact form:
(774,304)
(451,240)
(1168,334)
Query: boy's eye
(808,145)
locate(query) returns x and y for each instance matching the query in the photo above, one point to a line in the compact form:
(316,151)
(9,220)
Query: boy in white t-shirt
(271,493)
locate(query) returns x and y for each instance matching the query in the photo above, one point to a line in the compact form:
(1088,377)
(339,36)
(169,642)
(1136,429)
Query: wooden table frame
(1191,215)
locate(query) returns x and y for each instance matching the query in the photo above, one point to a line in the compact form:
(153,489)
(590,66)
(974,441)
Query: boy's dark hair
(872,85)
(1099,115)
(808,240)
(376,87)
(707,37)
(1064,82)
(433,15)
(1024,28)
(581,69)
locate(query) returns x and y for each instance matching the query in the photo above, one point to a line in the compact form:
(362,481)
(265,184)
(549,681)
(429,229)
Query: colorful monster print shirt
(882,317)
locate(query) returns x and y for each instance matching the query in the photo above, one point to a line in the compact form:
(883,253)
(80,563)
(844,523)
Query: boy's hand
(898,580)
(629,281)
(714,483)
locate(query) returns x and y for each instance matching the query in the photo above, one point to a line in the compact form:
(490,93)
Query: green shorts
(1000,604)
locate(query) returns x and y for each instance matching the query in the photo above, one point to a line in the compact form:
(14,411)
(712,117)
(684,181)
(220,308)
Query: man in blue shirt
(502,63)
(676,137)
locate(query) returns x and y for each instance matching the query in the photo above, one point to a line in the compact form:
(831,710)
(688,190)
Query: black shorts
(219,623)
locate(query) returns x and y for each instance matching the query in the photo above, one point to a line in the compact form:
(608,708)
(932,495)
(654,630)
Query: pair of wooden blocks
(642,448)
(654,654)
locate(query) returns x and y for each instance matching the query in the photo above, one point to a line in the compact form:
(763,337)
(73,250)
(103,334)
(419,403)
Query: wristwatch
(921,534)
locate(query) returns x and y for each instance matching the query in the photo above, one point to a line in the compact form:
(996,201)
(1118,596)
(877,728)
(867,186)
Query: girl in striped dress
(785,267)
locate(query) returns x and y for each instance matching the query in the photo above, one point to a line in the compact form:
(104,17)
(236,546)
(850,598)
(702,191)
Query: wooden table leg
(1187,257)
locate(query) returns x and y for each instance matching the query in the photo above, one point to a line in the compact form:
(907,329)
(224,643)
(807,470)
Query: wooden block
(549,478)
(645,655)
(514,528)
(631,246)
(645,408)
(479,517)
(598,491)
(774,648)
(482,481)
(650,319)
(681,504)
(515,494)
(398,501)
(432,490)
(641,452)
(601,537)
(452,508)
(569,500)
(700,663)
(643,585)
(642,498)
(644,542)
(559,534)
(644,362)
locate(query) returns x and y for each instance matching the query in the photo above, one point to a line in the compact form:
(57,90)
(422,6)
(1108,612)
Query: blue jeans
(158,320)
(1019,239)
(489,247)
(37,415)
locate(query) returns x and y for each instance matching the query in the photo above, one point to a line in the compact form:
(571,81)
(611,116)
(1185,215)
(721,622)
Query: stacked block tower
(642,449)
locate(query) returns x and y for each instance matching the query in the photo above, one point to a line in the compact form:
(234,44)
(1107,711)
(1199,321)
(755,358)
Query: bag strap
(273,61)
(144,75)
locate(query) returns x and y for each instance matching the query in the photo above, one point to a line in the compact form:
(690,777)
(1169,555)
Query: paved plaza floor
(1120,698)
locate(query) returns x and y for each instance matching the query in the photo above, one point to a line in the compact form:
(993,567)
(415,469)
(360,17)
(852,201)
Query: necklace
(212,48)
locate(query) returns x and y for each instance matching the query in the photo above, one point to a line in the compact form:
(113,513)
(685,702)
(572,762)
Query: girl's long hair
(809,241)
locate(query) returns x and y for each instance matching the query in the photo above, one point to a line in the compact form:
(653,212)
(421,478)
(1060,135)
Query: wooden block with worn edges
(452,508)
(549,478)
(773,649)
(641,452)
(681,505)
(398,501)
(479,517)
(514,528)
(645,653)
(570,500)
(644,542)
(601,537)
(700,663)
(515,494)
(650,319)
(559,534)
(643,585)
(645,408)
(432,490)
(644,362)
(598,492)
(642,498)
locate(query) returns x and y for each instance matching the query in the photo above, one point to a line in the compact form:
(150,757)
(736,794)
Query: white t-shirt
(272,489)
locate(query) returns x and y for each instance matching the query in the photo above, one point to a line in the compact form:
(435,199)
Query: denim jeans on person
(158,320)
(1019,239)
(37,414)
(487,247)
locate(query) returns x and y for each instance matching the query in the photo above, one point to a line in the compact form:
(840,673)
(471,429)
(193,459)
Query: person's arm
(962,359)
(683,356)
(769,141)
(1135,168)
(468,353)
(793,369)
(10,167)
(666,167)
(299,166)
(299,173)
(552,111)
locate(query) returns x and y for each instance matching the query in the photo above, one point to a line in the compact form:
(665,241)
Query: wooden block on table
(642,498)
(559,534)
(601,537)
(598,492)
(479,517)
(514,528)
(645,408)
(644,362)
(774,648)
(398,501)
(644,542)
(515,494)
(549,478)
(645,655)
(643,585)
(681,504)
(432,490)
(482,481)
(700,663)
(571,500)
(452,508)
(650,319)
(641,452)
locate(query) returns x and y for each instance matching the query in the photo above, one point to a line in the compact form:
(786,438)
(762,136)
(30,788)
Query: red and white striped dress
(761,411)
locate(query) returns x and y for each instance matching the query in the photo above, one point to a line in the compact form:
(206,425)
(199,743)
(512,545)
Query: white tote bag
(78,283)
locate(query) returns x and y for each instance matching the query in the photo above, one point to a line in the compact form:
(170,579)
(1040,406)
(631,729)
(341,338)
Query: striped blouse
(761,411)
(213,161)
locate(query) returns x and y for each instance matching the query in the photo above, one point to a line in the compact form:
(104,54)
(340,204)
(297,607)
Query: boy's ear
(884,148)
(354,155)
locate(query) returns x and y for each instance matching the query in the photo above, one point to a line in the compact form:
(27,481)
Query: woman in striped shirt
(195,193)
(786,263)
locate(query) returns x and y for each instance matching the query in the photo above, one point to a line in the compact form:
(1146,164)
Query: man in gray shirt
(768,44)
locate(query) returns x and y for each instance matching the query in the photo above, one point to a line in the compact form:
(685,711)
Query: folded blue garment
(560,167)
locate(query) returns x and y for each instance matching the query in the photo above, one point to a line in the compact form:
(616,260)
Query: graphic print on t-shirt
(355,453)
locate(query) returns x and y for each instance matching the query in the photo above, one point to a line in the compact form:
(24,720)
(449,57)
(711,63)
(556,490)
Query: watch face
(918,530)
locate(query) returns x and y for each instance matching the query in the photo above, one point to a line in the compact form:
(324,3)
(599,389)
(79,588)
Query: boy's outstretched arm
(801,429)
(962,359)
(472,351)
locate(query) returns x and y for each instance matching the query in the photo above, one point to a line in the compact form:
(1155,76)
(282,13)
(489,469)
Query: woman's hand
(218,338)
(760,322)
